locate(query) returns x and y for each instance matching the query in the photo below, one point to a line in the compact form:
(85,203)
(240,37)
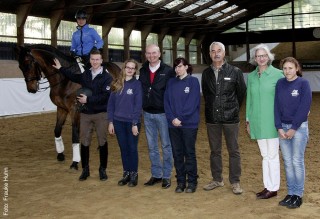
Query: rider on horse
(84,39)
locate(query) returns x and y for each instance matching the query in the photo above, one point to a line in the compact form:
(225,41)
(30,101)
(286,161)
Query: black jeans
(183,142)
(230,131)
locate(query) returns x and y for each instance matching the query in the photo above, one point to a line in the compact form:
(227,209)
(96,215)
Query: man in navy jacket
(94,115)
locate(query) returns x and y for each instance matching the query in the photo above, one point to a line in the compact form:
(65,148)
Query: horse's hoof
(60,157)
(74,165)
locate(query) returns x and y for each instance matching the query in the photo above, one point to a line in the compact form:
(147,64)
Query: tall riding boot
(133,179)
(85,163)
(103,161)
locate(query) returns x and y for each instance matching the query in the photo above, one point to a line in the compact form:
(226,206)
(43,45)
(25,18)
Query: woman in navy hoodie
(291,109)
(182,108)
(124,116)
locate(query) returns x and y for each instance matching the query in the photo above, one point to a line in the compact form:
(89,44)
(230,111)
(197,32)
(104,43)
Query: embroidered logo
(295,93)
(129,91)
(187,90)
(108,88)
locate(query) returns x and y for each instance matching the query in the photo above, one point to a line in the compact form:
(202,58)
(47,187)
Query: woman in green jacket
(260,116)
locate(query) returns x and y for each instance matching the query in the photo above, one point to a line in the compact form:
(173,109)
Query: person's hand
(82,98)
(135,130)
(176,122)
(282,134)
(111,128)
(57,64)
(290,133)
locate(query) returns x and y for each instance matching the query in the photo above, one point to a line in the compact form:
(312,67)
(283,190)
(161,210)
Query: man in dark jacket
(94,114)
(223,89)
(154,76)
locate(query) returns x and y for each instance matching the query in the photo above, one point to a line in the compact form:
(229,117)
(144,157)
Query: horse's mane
(66,60)
(54,51)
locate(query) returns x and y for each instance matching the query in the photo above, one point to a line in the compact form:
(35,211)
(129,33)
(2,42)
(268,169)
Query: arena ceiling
(196,18)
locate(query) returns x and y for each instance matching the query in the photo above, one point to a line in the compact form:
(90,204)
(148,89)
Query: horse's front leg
(75,117)
(61,118)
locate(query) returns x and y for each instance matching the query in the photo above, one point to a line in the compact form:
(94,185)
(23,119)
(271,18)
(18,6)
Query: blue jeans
(128,145)
(293,156)
(154,124)
(184,153)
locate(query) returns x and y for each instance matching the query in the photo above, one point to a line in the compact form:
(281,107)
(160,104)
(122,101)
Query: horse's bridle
(34,64)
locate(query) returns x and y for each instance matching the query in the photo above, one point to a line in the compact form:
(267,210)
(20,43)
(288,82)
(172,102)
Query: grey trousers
(91,122)
(230,131)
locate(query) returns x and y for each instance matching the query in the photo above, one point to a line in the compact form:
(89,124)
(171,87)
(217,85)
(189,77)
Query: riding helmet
(85,91)
(81,14)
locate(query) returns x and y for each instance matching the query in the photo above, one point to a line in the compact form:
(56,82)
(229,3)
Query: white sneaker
(236,189)
(212,185)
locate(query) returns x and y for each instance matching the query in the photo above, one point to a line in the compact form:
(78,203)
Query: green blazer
(260,102)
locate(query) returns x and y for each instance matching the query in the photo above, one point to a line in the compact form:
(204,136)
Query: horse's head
(30,68)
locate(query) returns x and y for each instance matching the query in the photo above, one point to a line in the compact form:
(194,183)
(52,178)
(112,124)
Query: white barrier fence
(15,99)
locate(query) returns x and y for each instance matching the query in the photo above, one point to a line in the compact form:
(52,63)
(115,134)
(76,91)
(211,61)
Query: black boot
(85,173)
(103,161)
(84,162)
(125,179)
(133,179)
(103,174)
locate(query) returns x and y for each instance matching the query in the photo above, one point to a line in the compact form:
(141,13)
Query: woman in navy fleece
(292,106)
(124,115)
(182,108)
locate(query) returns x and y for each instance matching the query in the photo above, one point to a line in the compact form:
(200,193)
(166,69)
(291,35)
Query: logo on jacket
(108,88)
(129,91)
(187,90)
(295,93)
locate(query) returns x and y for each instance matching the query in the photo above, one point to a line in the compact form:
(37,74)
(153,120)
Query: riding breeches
(89,122)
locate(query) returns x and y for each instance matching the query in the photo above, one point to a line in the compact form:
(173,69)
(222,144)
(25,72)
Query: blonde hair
(118,83)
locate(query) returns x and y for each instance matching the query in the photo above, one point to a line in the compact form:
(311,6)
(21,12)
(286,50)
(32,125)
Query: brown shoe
(262,192)
(268,194)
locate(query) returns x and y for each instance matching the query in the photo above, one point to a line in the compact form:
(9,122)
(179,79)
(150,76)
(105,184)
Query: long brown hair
(294,61)
(118,83)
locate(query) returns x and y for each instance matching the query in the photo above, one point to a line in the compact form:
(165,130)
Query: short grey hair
(259,47)
(219,44)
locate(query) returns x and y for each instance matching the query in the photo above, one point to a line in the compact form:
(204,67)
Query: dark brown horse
(37,59)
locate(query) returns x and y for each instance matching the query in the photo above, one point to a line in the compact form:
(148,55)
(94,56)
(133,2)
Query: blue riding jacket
(84,39)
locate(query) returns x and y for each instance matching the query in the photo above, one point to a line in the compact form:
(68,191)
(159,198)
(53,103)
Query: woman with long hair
(124,116)
(292,106)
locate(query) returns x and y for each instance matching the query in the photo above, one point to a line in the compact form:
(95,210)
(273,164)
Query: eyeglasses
(128,68)
(262,56)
